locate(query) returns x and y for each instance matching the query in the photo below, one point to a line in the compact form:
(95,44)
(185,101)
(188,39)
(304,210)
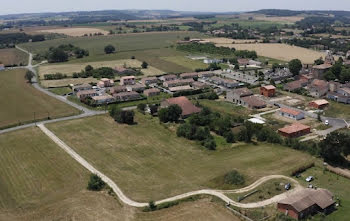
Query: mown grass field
(186,62)
(20,100)
(339,110)
(39,181)
(149,161)
(13,56)
(226,108)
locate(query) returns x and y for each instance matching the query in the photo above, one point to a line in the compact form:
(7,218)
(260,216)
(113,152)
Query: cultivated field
(11,56)
(282,52)
(149,161)
(19,101)
(75,32)
(70,68)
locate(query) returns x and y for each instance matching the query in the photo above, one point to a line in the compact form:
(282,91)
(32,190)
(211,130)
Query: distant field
(186,62)
(149,161)
(280,51)
(11,56)
(67,82)
(75,32)
(20,100)
(229,40)
(289,19)
(70,68)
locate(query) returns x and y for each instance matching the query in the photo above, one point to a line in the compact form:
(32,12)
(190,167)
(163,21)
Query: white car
(326,122)
(309,178)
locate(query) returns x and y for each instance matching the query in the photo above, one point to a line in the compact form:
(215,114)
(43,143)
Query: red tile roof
(269,87)
(293,128)
(290,111)
(187,107)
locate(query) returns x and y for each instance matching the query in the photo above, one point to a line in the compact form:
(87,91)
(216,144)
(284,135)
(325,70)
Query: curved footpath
(218,193)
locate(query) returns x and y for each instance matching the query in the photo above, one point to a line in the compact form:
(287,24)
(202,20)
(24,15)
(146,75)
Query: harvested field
(75,32)
(229,41)
(149,162)
(70,68)
(11,56)
(20,101)
(67,81)
(282,52)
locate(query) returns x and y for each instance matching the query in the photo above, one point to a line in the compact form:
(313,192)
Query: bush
(122,116)
(230,137)
(209,144)
(152,205)
(141,107)
(302,169)
(109,49)
(234,178)
(170,114)
(95,183)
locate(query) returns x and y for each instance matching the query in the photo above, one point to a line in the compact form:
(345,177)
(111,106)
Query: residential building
(319,104)
(188,108)
(199,85)
(229,83)
(212,61)
(291,113)
(136,87)
(151,92)
(236,95)
(178,82)
(104,99)
(205,74)
(268,90)
(105,82)
(278,75)
(189,75)
(307,202)
(319,70)
(86,93)
(243,61)
(127,96)
(116,89)
(341,95)
(149,80)
(169,77)
(252,102)
(294,130)
(124,71)
(180,88)
(127,80)
(318,88)
(295,85)
(81,87)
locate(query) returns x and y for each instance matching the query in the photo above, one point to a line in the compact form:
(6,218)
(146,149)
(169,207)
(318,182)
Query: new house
(341,95)
(151,92)
(178,82)
(169,77)
(189,75)
(180,88)
(319,104)
(291,113)
(199,85)
(205,74)
(268,90)
(127,96)
(127,80)
(229,83)
(149,80)
(103,99)
(86,93)
(81,87)
(105,82)
(136,87)
(307,202)
(294,130)
(236,95)
(253,102)
(186,105)
(295,85)
(318,88)
(116,89)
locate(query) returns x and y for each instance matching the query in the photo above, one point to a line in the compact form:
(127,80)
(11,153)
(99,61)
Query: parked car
(309,178)
(326,122)
(310,186)
(287,186)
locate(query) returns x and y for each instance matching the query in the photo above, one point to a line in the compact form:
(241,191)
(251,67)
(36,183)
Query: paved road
(130,202)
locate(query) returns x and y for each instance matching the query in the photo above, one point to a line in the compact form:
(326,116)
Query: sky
(30,6)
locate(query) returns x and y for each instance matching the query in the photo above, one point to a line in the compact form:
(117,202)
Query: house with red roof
(294,130)
(268,90)
(291,113)
(187,107)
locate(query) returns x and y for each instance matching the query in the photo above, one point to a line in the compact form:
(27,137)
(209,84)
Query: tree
(29,76)
(153,108)
(88,68)
(170,114)
(95,183)
(295,66)
(335,144)
(230,137)
(57,55)
(122,116)
(329,76)
(109,49)
(141,107)
(144,65)
(209,143)
(319,61)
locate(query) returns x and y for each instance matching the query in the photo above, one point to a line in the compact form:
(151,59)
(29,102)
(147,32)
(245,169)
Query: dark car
(287,186)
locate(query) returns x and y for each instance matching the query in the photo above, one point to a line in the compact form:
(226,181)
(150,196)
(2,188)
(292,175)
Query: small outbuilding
(268,90)
(294,130)
(291,113)
(319,104)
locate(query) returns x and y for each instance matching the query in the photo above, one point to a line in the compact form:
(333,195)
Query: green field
(149,161)
(186,62)
(19,101)
(61,90)
(226,108)
(338,110)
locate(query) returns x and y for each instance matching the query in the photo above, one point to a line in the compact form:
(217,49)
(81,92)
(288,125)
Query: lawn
(338,110)
(19,101)
(149,161)
(35,172)
(226,108)
(186,62)
(61,90)
(338,185)
(13,56)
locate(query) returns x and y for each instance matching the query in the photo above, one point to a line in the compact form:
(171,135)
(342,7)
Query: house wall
(296,134)
(297,117)
(287,209)
(267,93)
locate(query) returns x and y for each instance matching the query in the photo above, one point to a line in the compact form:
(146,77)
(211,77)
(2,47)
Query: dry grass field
(282,52)
(20,100)
(230,41)
(75,32)
(67,82)
(70,68)
(148,161)
(11,56)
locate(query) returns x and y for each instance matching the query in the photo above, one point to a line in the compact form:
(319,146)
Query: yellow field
(282,52)
(69,69)
(75,32)
(229,41)
(67,81)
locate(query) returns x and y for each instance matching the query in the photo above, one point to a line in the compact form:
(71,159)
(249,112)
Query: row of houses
(245,97)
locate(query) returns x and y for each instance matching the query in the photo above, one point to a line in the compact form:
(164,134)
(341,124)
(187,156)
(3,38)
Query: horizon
(221,6)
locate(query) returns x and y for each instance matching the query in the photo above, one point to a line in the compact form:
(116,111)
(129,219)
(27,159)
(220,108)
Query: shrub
(95,183)
(122,116)
(234,178)
(152,205)
(141,107)
(170,114)
(209,143)
(109,49)
(302,168)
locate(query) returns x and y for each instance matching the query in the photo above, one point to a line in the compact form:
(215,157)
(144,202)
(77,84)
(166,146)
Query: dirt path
(218,193)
